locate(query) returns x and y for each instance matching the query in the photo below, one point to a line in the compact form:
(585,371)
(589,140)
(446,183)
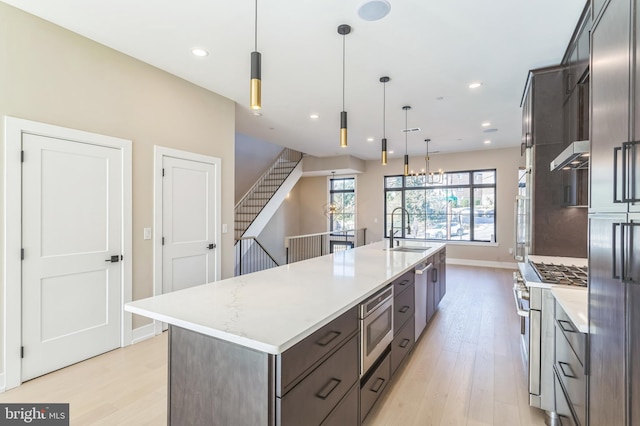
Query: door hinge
(21,351)
(21,254)
(163,172)
(162,240)
(22,156)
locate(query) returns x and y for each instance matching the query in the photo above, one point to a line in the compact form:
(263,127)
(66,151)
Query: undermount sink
(409,249)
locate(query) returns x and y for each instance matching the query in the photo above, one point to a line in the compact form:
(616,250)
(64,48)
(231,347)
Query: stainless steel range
(561,274)
(535,306)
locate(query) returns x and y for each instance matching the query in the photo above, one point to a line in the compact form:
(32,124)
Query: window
(342,204)
(461,207)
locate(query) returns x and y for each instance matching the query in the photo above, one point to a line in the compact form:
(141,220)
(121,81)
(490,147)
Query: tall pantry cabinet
(614,215)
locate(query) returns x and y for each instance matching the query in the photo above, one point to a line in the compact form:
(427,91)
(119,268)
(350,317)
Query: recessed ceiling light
(257,113)
(487,142)
(490,131)
(486,124)
(198,51)
(475,85)
(374,10)
(314,116)
(369,139)
(390,152)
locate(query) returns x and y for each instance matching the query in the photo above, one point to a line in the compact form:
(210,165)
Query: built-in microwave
(376,327)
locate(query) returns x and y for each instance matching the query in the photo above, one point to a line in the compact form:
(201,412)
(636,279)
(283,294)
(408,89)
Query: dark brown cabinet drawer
(577,340)
(403,308)
(375,385)
(402,344)
(311,400)
(563,408)
(571,374)
(346,413)
(294,363)
(403,282)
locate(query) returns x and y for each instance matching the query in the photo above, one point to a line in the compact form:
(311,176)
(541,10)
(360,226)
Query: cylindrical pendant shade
(384,151)
(406,165)
(256,81)
(343,129)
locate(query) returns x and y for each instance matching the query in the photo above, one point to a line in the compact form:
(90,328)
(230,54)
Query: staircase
(263,191)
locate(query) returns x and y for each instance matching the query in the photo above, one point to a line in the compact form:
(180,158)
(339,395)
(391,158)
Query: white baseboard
(142,333)
(3,384)
(483,263)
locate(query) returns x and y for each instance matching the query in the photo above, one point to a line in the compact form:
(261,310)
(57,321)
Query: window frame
(331,191)
(471,186)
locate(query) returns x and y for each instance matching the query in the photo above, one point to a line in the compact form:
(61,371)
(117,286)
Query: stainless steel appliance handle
(617,150)
(535,330)
(629,155)
(424,270)
(614,250)
(626,251)
(519,309)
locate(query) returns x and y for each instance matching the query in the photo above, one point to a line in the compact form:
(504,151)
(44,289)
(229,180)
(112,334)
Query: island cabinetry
(216,382)
(374,385)
(569,369)
(441,274)
(401,283)
(313,399)
(403,324)
(296,363)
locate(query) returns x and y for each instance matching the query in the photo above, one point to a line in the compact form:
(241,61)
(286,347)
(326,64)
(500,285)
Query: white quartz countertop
(575,303)
(274,309)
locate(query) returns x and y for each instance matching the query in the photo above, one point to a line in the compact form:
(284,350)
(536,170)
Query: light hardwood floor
(467,369)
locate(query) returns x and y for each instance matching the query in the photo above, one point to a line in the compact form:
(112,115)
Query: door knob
(211,246)
(114,259)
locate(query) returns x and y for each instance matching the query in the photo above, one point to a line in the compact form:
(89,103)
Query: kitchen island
(252,349)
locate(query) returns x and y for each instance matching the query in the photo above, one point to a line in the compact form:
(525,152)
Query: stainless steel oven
(376,327)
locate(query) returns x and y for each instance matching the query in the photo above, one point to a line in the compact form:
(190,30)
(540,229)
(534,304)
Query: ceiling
(431,50)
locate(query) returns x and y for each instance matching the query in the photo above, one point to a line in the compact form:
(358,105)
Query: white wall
(253,158)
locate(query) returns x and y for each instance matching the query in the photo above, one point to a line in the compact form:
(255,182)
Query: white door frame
(159,153)
(13,130)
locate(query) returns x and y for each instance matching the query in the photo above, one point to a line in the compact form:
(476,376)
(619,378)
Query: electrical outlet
(147,233)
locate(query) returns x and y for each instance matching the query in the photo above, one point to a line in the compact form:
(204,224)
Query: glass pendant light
(343,30)
(384,81)
(406,108)
(256,69)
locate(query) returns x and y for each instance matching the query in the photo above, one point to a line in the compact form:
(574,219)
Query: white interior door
(189,223)
(71,228)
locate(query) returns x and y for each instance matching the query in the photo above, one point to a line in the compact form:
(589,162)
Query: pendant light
(256,69)
(406,109)
(343,30)
(429,177)
(384,81)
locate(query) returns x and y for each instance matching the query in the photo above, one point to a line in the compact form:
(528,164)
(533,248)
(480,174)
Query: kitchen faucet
(408,227)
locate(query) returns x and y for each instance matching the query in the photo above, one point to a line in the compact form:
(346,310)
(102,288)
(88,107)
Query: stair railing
(302,247)
(251,256)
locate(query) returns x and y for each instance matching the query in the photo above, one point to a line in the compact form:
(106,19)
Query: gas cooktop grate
(561,274)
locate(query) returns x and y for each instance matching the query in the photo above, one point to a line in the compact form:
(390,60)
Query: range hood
(575,156)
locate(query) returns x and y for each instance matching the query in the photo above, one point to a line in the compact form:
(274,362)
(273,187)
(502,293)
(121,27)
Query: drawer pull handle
(564,373)
(404,309)
(404,343)
(403,282)
(377,385)
(328,388)
(328,338)
(569,328)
